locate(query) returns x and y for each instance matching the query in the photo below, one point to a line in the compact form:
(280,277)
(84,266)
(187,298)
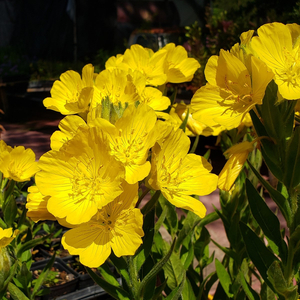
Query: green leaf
(292,162)
(266,293)
(187,291)
(15,292)
(158,290)
(251,294)
(144,250)
(108,275)
(278,198)
(121,266)
(229,252)
(114,291)
(42,277)
(157,267)
(294,241)
(187,255)
(260,255)
(266,219)
(29,245)
(224,278)
(269,150)
(176,293)
(201,243)
(171,219)
(190,221)
(174,271)
(10,211)
(276,277)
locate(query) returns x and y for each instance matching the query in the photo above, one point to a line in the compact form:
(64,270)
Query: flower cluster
(114,141)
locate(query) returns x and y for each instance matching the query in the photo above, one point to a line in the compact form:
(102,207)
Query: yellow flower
(68,127)
(231,92)
(71,94)
(18,164)
(114,85)
(117,226)
(80,177)
(179,175)
(6,236)
(154,98)
(278,46)
(37,205)
(130,140)
(146,61)
(237,157)
(178,66)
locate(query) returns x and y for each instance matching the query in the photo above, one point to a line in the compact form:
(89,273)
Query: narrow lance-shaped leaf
(292,163)
(224,278)
(157,267)
(266,219)
(116,292)
(278,198)
(260,255)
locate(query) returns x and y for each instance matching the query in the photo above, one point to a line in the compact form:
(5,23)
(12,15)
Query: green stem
(288,269)
(133,277)
(145,192)
(148,207)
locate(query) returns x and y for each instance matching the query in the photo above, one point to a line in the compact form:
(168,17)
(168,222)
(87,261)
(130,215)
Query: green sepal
(184,122)
(276,277)
(266,219)
(114,291)
(277,197)
(260,255)
(224,278)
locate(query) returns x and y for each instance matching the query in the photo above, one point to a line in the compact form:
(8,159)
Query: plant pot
(60,289)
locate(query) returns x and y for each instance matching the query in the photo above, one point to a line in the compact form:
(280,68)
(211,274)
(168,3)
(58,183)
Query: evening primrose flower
(37,205)
(18,163)
(231,92)
(80,177)
(145,60)
(179,175)
(130,140)
(117,226)
(114,85)
(237,157)
(178,66)
(278,46)
(6,236)
(72,94)
(68,127)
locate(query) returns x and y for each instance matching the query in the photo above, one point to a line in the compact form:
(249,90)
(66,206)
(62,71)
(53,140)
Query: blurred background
(40,39)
